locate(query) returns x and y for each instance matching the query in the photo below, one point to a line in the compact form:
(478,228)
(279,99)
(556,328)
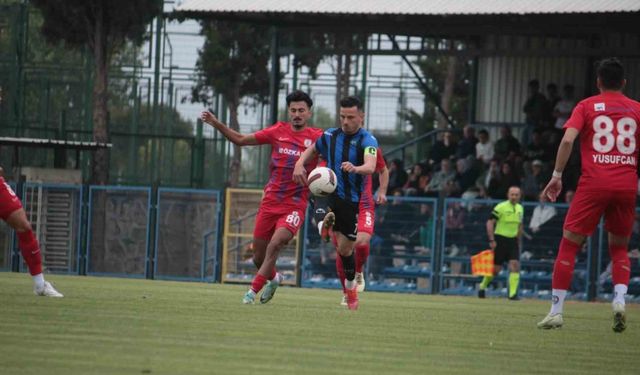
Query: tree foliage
(102,26)
(234,64)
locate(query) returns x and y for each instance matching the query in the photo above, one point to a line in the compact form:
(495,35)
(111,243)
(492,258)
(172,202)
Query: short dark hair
(351,101)
(299,96)
(483,131)
(611,73)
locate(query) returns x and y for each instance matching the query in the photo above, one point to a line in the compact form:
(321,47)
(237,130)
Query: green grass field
(124,326)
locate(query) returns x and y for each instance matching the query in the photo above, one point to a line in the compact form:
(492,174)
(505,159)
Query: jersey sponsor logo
(307,142)
(614,159)
(283,139)
(288,151)
(598,107)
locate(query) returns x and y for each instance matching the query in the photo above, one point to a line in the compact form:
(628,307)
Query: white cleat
(360,284)
(551,322)
(47,291)
(344,300)
(619,318)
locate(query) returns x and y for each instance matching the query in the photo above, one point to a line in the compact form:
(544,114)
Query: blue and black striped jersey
(337,147)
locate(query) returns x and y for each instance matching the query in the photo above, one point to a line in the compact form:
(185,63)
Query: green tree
(234,64)
(103,27)
(448,77)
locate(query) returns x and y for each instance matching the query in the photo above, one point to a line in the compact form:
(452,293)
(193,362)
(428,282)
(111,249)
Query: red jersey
(609,141)
(366,200)
(286,147)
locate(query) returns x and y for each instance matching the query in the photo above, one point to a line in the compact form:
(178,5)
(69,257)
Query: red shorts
(618,207)
(271,218)
(9,201)
(366,218)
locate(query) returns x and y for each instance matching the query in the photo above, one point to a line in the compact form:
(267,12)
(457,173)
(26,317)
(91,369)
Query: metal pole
(274,79)
(156,95)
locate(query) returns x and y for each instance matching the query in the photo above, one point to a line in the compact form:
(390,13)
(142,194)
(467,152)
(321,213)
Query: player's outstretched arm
(232,135)
(384,185)
(554,187)
(299,172)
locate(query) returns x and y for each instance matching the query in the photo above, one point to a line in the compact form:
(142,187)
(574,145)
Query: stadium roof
(438,18)
(412,7)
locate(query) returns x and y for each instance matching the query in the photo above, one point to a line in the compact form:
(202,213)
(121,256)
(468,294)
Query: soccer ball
(322,181)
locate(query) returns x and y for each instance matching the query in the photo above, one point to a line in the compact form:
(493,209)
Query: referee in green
(504,229)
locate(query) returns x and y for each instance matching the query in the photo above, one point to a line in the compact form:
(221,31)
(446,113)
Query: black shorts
(321,207)
(346,216)
(506,249)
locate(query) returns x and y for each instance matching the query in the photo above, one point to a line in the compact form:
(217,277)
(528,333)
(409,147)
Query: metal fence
(420,245)
(402,249)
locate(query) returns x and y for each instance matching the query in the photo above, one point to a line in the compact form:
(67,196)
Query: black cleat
(514,298)
(481,293)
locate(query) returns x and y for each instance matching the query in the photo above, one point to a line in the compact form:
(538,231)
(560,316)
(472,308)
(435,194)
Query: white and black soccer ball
(322,181)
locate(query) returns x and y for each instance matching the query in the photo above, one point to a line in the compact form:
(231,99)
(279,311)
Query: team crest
(307,142)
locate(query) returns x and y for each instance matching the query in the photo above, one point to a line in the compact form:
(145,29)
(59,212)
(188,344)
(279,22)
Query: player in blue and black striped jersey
(350,152)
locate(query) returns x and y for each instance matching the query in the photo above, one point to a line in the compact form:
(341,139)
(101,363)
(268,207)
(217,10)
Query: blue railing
(420,245)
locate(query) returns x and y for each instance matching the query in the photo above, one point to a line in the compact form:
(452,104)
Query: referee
(504,229)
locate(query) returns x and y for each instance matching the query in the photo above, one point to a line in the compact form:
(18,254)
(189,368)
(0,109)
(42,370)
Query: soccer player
(504,229)
(282,210)
(12,213)
(350,152)
(366,220)
(608,127)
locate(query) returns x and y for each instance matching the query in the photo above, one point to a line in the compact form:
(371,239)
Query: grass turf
(126,326)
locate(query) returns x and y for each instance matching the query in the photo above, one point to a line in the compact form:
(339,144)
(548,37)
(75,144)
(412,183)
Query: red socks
(30,249)
(259,280)
(621,268)
(362,253)
(564,265)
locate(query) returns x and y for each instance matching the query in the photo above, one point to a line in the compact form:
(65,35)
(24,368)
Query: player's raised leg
(268,272)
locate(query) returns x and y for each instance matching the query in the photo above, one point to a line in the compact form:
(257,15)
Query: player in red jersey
(609,140)
(366,220)
(282,210)
(12,213)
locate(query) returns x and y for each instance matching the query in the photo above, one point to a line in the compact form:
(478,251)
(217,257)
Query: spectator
(534,181)
(564,107)
(442,149)
(484,147)
(537,149)
(541,215)
(489,174)
(397,175)
(507,178)
(535,107)
(465,176)
(441,180)
(507,147)
(467,145)
(418,180)
(552,99)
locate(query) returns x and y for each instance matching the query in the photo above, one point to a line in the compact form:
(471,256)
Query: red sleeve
(577,118)
(267,135)
(380,163)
